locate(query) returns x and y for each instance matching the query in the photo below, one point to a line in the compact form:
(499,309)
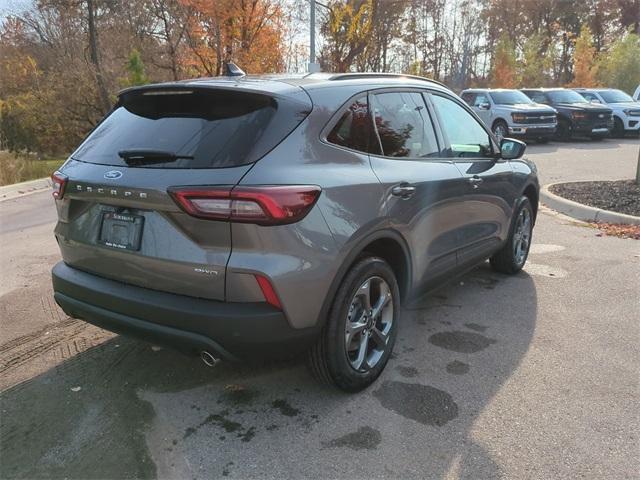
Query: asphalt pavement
(530,376)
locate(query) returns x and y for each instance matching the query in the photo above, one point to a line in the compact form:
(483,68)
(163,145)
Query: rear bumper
(233,331)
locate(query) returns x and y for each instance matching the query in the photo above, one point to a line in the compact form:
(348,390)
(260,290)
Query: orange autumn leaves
(247,32)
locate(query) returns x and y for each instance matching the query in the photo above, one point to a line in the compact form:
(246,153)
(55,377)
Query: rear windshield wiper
(148,157)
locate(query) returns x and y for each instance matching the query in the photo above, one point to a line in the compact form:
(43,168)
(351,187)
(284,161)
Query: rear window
(199,128)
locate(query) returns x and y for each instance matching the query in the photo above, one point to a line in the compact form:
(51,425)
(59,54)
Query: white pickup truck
(510,113)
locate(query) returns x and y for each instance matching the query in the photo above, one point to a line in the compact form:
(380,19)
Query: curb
(8,192)
(583,212)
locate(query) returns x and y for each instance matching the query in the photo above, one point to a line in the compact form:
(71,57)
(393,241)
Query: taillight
(59,182)
(263,205)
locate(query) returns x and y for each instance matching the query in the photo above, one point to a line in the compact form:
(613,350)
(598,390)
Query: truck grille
(533,118)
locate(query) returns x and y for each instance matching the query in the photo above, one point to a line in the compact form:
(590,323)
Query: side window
(468,97)
(480,99)
(353,130)
(467,137)
(404,125)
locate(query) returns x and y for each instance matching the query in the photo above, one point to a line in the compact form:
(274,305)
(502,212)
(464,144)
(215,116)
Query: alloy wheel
(522,236)
(368,325)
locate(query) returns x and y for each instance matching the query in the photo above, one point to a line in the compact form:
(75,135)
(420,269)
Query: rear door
(422,189)
(488,194)
(117,218)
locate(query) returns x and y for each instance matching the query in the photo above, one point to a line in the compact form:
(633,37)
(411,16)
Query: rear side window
(404,125)
(199,128)
(467,138)
(353,130)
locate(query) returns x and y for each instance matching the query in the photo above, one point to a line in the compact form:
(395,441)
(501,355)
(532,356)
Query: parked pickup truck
(576,116)
(626,110)
(510,113)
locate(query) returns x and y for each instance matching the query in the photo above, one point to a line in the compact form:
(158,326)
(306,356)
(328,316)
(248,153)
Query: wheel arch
(497,120)
(532,193)
(387,244)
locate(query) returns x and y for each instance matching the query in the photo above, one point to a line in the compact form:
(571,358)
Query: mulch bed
(622,196)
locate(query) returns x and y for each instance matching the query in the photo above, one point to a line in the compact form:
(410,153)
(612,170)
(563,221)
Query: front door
(489,194)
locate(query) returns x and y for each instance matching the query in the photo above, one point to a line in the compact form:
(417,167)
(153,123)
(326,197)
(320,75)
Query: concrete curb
(7,192)
(583,212)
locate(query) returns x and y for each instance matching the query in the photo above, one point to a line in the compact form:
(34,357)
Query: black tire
(503,126)
(618,128)
(329,359)
(543,140)
(506,260)
(563,131)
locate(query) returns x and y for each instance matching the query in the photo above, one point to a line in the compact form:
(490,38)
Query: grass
(15,168)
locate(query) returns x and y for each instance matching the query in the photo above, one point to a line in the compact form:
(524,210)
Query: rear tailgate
(116,218)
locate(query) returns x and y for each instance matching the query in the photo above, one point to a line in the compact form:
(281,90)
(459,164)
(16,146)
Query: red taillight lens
(267,290)
(59,182)
(263,205)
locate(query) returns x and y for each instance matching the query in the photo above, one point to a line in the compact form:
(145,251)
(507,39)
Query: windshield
(566,96)
(615,96)
(199,128)
(509,97)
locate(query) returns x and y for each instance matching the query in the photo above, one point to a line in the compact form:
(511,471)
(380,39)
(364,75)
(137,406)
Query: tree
(503,69)
(584,60)
(347,33)
(620,66)
(247,32)
(135,68)
(536,63)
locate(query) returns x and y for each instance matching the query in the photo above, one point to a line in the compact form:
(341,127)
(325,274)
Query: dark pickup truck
(576,116)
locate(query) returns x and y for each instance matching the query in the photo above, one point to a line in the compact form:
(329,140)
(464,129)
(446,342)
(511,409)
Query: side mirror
(595,100)
(484,106)
(511,149)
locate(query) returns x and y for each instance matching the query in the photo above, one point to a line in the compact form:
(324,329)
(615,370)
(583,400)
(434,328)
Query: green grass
(15,168)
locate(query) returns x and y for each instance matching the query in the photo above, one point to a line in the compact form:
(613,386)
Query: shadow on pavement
(125,410)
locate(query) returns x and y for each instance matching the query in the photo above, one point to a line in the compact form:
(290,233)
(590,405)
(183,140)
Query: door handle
(475,181)
(404,190)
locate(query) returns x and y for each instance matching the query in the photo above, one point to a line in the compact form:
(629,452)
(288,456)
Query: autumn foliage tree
(348,32)
(503,69)
(584,60)
(247,32)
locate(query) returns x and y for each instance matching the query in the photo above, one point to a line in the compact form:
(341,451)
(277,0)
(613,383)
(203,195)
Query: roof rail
(355,76)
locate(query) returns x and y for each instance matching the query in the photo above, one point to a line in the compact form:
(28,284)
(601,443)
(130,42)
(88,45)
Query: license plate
(121,231)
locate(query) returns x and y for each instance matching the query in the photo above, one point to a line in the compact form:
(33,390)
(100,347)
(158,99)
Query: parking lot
(530,376)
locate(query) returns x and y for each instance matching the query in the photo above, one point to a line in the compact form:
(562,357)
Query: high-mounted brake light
(262,205)
(59,182)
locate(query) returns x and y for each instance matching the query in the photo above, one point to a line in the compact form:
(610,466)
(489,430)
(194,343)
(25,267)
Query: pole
(313,66)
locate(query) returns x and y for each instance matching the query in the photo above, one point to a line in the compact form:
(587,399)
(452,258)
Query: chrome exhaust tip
(208,359)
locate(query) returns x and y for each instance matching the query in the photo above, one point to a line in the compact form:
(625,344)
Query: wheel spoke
(365,295)
(362,351)
(379,337)
(354,328)
(383,300)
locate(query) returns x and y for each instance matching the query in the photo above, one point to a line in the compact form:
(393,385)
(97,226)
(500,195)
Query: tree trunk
(95,59)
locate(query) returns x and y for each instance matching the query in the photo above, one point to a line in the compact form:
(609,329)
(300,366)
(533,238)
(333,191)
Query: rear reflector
(262,205)
(59,182)
(268,291)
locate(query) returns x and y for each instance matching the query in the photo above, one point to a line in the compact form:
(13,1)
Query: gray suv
(511,113)
(241,217)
